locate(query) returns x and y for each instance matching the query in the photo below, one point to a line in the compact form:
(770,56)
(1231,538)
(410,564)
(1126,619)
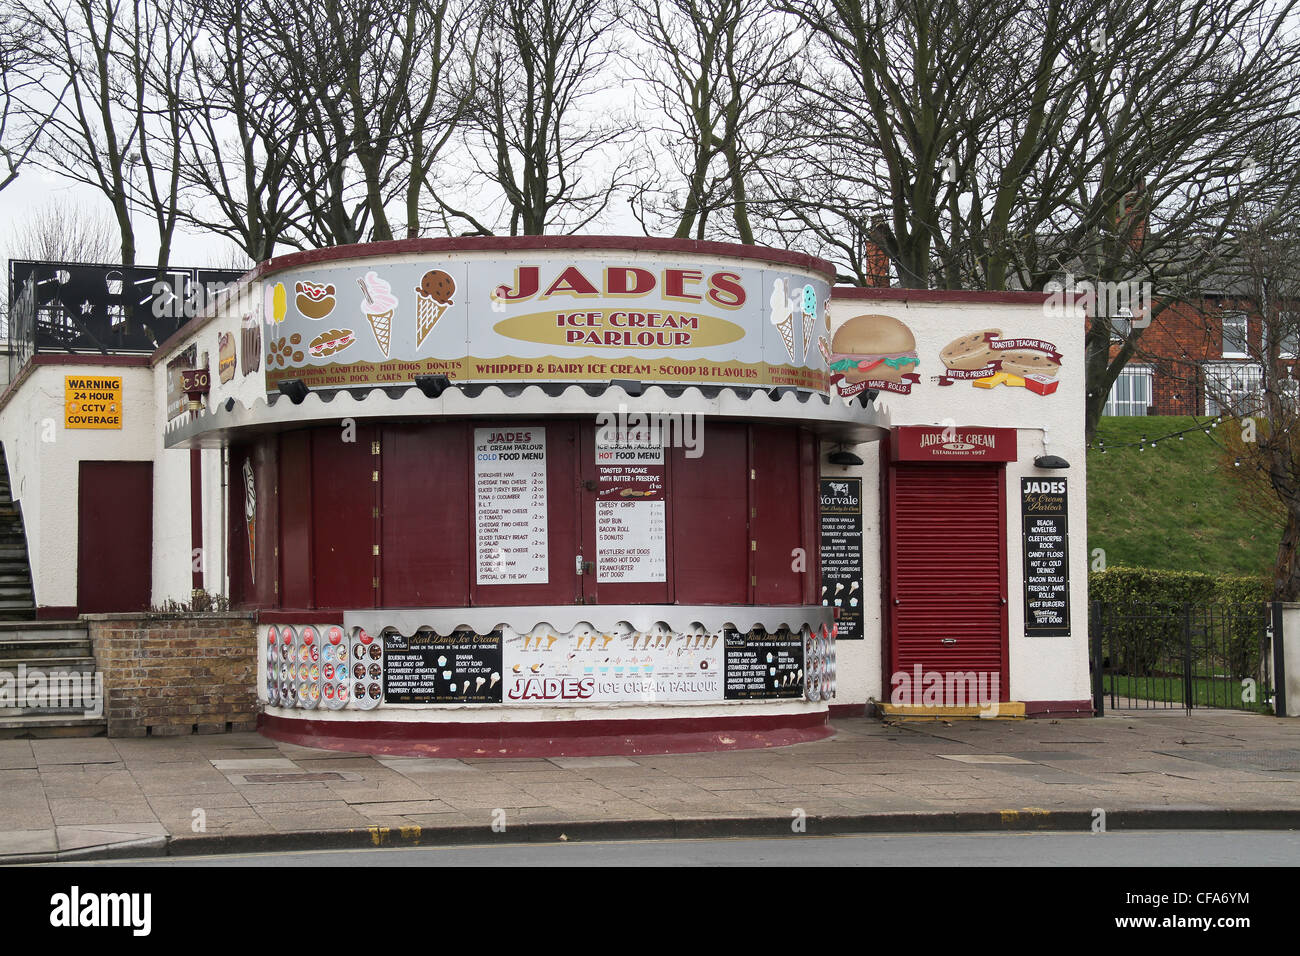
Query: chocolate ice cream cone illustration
(378,304)
(432,299)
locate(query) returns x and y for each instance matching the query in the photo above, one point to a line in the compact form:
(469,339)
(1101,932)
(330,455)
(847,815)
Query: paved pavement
(85,798)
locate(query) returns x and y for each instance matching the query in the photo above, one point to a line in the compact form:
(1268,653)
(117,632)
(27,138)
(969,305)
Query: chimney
(1133,217)
(877,261)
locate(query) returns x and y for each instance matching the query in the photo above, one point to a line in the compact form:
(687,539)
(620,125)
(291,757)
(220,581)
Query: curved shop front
(553,495)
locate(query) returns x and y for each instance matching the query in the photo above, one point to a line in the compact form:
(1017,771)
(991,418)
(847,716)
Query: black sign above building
(1043,504)
(78,307)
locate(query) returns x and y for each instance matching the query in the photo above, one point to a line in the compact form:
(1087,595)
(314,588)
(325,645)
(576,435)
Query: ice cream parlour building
(600,494)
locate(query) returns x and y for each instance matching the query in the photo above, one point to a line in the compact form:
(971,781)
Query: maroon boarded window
(416,514)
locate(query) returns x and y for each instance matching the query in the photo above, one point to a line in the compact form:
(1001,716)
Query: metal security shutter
(946,600)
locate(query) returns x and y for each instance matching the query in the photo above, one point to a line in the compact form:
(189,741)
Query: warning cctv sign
(92,401)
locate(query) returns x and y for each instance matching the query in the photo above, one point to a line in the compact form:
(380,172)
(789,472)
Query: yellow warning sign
(92,401)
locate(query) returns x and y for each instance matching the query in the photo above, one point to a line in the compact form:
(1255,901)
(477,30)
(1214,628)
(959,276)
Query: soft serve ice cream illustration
(378,304)
(783,316)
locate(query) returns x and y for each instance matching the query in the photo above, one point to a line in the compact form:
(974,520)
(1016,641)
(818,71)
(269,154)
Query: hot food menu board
(459,668)
(1047,567)
(841,552)
(510,505)
(762,666)
(631,543)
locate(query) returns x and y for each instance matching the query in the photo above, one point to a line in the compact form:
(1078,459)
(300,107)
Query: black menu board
(428,668)
(761,666)
(1047,563)
(841,550)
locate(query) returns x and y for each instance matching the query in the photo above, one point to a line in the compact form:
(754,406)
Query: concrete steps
(56,654)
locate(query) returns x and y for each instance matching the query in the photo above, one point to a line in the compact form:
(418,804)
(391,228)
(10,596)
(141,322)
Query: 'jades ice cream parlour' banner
(545,317)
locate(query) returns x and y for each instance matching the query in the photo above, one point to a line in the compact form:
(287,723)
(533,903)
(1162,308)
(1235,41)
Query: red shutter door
(947,567)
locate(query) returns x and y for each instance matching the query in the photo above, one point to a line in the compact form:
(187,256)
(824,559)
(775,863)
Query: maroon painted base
(1058,708)
(56,612)
(574,738)
(848,710)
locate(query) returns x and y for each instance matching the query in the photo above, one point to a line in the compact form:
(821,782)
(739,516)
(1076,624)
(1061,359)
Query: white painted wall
(44,474)
(1290,657)
(1039,668)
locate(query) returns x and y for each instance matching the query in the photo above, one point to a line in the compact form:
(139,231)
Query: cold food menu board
(631,543)
(761,666)
(841,550)
(510,505)
(1047,566)
(459,668)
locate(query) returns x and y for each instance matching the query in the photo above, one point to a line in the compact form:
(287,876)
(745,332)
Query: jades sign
(547,316)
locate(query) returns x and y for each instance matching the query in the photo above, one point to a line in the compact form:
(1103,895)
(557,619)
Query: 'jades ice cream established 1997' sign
(545,317)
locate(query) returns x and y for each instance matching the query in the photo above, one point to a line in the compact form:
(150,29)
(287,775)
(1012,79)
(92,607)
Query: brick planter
(169,675)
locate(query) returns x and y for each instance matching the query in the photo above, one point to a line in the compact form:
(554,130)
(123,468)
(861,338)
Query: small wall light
(432,385)
(295,389)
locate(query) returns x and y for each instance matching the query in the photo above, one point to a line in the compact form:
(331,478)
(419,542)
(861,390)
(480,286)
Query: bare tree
(1000,146)
(892,115)
(119,127)
(536,132)
(21,72)
(247,127)
(716,69)
(1264,438)
(356,101)
(62,232)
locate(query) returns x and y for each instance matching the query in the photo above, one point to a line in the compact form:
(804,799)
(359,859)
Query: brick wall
(182,674)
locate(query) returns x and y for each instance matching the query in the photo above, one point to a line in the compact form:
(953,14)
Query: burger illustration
(872,351)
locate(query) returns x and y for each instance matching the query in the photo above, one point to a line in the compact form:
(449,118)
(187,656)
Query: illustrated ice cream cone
(378,304)
(427,313)
(783,316)
(495,677)
(809,316)
(250,517)
(432,299)
(786,329)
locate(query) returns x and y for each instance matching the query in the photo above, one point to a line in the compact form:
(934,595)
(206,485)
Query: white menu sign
(510,505)
(631,542)
(551,668)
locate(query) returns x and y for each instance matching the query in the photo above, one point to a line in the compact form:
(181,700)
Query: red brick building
(1193,357)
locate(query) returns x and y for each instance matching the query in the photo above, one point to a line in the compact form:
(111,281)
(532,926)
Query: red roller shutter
(947,570)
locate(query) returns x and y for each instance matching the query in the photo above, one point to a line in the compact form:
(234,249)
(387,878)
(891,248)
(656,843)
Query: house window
(1288,335)
(1234,335)
(1233,388)
(1131,393)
